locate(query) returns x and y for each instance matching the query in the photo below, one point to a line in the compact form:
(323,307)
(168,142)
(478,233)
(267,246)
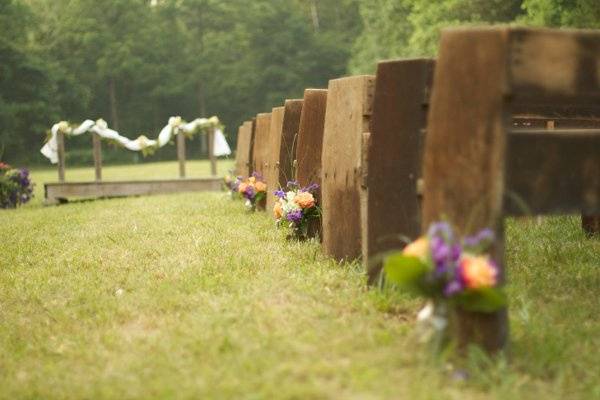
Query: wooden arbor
(60,192)
(478,169)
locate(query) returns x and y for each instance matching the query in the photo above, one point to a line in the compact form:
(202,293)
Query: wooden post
(181,153)
(349,102)
(282,147)
(475,164)
(309,147)
(261,143)
(97,149)
(393,156)
(211,152)
(60,142)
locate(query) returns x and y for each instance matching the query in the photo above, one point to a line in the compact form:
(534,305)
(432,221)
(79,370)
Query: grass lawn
(188,296)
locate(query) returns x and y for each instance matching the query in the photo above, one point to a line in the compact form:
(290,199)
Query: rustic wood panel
(551,172)
(349,102)
(283,147)
(57,192)
(244,147)
(271,171)
(464,155)
(261,142)
(391,211)
(310,145)
(552,65)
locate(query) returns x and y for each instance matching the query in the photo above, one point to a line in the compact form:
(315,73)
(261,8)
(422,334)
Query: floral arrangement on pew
(450,273)
(232,185)
(296,208)
(16,187)
(254,190)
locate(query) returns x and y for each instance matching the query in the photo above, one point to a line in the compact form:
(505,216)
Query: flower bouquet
(296,208)
(232,186)
(254,190)
(454,275)
(16,187)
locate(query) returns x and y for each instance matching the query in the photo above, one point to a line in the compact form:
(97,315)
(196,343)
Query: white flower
(101,124)
(175,121)
(63,126)
(289,196)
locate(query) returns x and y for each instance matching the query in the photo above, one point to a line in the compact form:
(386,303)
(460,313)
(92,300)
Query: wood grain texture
(310,145)
(243,152)
(392,212)
(261,142)
(58,192)
(464,154)
(349,102)
(284,133)
(271,171)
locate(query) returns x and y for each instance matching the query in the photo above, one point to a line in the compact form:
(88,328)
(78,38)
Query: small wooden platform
(55,193)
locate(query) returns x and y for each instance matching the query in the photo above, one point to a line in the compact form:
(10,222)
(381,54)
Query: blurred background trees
(137,62)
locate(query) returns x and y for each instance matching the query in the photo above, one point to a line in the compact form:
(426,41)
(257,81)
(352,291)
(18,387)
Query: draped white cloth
(174,127)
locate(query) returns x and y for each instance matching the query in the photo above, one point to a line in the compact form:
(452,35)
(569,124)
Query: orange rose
(242,188)
(419,248)
(252,179)
(478,271)
(277,210)
(260,186)
(304,200)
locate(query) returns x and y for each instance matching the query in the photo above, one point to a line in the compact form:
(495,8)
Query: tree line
(137,62)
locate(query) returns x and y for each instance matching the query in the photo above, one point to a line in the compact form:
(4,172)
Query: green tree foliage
(562,13)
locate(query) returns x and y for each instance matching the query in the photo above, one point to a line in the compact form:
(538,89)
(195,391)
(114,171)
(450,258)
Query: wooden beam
(57,192)
(181,153)
(261,142)
(349,102)
(97,151)
(282,149)
(392,210)
(310,145)
(464,156)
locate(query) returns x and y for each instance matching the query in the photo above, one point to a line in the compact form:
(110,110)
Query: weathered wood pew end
(62,191)
(478,167)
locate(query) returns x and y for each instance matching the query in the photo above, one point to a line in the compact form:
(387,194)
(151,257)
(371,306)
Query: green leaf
(404,270)
(482,300)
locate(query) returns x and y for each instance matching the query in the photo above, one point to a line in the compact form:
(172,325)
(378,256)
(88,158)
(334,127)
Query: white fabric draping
(174,127)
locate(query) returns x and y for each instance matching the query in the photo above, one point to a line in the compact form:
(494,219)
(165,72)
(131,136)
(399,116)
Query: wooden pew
(310,145)
(349,102)
(391,210)
(477,168)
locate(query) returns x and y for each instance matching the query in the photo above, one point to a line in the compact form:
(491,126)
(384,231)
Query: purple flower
(444,255)
(257,175)
(441,229)
(294,216)
(453,287)
(483,237)
(249,193)
(279,193)
(310,188)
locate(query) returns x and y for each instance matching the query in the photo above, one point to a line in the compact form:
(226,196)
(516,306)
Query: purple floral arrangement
(444,268)
(16,187)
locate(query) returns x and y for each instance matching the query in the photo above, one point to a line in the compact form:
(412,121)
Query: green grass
(188,296)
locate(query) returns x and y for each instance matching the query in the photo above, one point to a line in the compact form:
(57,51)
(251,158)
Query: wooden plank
(242,154)
(60,143)
(284,134)
(181,153)
(553,172)
(464,155)
(56,192)
(97,152)
(271,171)
(252,128)
(553,65)
(261,142)
(392,214)
(310,145)
(349,102)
